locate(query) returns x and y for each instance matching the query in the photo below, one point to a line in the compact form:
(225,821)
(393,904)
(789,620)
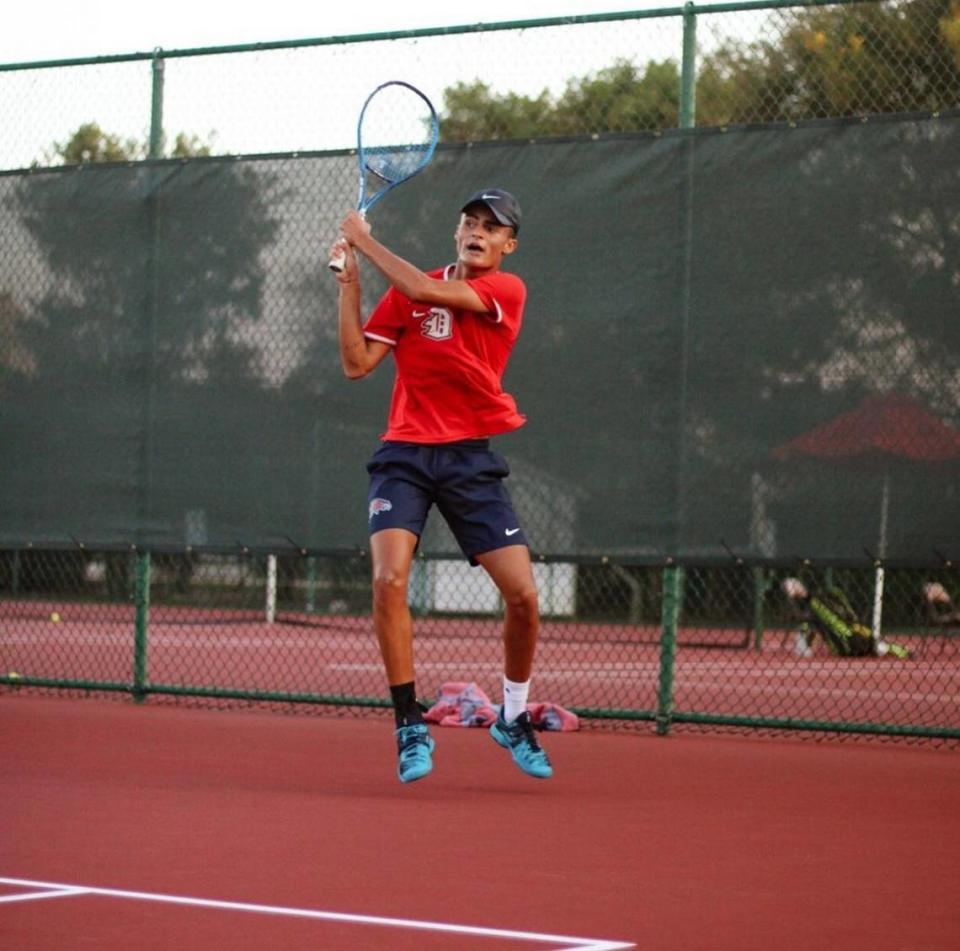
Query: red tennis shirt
(450,362)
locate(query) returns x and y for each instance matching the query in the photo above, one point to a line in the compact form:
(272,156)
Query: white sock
(514,699)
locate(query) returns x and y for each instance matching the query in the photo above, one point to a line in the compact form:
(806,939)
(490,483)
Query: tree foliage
(134,346)
(815,62)
(163,244)
(14,356)
(90,143)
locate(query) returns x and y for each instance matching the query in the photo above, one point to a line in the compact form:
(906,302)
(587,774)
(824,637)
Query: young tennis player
(450,331)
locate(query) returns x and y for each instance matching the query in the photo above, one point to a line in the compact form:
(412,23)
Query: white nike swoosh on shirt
(510,531)
(420,313)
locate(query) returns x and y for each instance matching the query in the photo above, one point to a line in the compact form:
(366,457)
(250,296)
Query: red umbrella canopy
(888,425)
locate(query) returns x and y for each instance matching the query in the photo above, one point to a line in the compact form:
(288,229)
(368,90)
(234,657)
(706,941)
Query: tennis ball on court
(13,675)
(55,617)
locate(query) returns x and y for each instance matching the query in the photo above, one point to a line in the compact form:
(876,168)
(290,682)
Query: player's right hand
(354,226)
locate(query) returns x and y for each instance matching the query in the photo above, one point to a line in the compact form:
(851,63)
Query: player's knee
(522,603)
(389,586)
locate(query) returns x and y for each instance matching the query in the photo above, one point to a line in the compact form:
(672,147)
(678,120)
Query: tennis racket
(396,136)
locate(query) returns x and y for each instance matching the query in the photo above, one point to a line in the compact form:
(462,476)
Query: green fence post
(669,615)
(688,69)
(150,314)
(686,198)
(156,106)
(141,623)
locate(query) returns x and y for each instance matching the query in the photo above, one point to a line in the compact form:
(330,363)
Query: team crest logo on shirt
(379,505)
(437,323)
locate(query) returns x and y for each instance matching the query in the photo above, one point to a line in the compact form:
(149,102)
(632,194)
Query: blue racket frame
(365,203)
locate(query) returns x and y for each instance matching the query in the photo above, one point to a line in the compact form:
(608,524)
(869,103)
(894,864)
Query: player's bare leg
(512,573)
(510,570)
(392,551)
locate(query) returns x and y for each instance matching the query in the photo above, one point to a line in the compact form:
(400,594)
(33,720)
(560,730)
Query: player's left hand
(349,272)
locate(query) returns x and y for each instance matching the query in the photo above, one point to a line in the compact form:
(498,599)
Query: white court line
(565,942)
(33,896)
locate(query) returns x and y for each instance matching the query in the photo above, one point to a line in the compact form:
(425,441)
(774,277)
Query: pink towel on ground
(551,716)
(465,704)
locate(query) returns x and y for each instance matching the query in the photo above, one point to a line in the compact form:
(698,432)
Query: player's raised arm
(485,234)
(404,276)
(358,355)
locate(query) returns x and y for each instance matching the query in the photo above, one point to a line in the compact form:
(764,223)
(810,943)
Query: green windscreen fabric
(738,341)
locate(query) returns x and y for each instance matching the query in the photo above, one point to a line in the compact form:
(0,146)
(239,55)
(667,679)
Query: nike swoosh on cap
(510,531)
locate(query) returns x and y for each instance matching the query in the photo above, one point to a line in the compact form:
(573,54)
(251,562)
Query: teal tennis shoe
(415,747)
(519,738)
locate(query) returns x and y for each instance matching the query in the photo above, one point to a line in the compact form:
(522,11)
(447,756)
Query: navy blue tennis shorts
(463,479)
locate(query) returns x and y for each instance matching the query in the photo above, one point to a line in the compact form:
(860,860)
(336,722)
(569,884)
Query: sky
(57,29)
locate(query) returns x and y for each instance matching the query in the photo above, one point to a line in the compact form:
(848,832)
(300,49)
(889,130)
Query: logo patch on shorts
(379,505)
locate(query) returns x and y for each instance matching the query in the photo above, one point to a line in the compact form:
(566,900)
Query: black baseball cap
(502,205)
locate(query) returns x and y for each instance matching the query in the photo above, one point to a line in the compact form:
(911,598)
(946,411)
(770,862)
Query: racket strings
(394,165)
(397,133)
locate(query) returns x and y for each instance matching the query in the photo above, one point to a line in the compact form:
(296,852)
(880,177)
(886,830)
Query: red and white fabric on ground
(465,704)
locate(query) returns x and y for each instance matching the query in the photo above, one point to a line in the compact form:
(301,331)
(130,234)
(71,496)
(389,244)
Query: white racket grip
(338,261)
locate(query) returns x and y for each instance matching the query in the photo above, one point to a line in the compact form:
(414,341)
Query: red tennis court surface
(168,827)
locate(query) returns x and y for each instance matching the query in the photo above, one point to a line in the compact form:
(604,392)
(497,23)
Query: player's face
(481,240)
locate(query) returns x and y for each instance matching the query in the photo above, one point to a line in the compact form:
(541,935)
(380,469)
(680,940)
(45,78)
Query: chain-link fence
(736,646)
(765,391)
(626,72)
